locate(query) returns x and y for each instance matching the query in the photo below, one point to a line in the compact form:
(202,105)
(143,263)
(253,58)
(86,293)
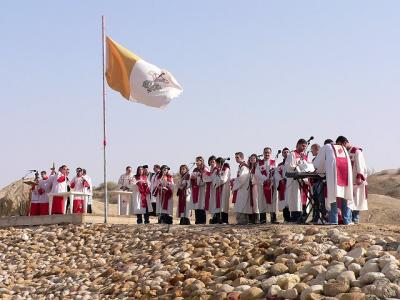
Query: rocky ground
(200,262)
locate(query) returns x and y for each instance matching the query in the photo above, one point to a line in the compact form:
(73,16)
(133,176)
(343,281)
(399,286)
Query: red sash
(267,186)
(182,193)
(144,190)
(208,191)
(232,181)
(341,167)
(166,194)
(282,184)
(195,188)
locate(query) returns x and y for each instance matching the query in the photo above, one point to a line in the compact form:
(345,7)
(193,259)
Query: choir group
(336,192)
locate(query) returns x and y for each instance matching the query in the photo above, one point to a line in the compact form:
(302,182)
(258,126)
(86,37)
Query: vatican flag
(138,80)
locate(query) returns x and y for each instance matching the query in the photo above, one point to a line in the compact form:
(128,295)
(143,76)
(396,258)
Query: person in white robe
(198,191)
(141,202)
(125,183)
(295,195)
(44,189)
(164,193)
(280,185)
(60,184)
(79,184)
(183,193)
(222,182)
(241,191)
(268,200)
(213,194)
(334,161)
(153,176)
(360,173)
(317,189)
(88,190)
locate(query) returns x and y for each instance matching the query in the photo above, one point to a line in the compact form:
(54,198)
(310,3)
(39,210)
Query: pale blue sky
(254,73)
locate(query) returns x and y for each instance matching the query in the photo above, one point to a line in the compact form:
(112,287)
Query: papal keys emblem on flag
(159,82)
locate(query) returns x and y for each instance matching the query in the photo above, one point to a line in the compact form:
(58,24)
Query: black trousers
(139,219)
(286,214)
(263,218)
(225,218)
(200,216)
(184,221)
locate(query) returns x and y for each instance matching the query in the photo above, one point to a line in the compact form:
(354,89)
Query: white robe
(89,190)
(262,206)
(35,197)
(210,178)
(162,183)
(202,192)
(136,203)
(325,162)
(359,169)
(45,185)
(152,186)
(125,181)
(293,195)
(184,186)
(59,187)
(241,184)
(224,179)
(279,174)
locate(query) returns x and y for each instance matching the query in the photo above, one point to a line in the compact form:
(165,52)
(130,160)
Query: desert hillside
(386,182)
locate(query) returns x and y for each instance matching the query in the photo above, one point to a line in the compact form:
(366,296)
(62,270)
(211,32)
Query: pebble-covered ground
(199,262)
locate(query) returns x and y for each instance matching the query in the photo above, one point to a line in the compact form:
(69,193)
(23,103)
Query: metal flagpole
(104,125)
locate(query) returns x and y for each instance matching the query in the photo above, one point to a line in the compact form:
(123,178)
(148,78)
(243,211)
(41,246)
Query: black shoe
(225,218)
(263,218)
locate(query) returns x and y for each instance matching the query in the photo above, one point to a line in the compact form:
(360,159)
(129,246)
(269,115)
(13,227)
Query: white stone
(357,252)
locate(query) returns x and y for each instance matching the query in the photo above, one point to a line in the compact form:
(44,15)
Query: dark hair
(43,172)
(240,154)
(157,166)
(137,171)
(84,171)
(301,142)
(266,148)
(183,166)
(249,160)
(212,157)
(220,161)
(328,141)
(341,139)
(284,149)
(126,169)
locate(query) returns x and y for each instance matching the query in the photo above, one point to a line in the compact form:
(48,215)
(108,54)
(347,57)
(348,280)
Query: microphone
(227,158)
(32,171)
(279,152)
(310,139)
(260,155)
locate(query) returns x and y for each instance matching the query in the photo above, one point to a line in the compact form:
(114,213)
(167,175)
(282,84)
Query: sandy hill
(386,182)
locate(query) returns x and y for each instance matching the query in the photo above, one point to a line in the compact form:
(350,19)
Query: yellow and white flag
(138,80)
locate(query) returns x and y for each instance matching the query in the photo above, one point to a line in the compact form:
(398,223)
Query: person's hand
(359,181)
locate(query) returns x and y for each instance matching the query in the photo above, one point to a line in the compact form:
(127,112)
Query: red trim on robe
(166,194)
(61,179)
(267,186)
(342,172)
(182,194)
(143,189)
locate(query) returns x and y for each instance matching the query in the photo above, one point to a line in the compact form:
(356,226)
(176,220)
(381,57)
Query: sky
(254,73)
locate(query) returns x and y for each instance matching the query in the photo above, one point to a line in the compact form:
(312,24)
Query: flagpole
(104,124)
